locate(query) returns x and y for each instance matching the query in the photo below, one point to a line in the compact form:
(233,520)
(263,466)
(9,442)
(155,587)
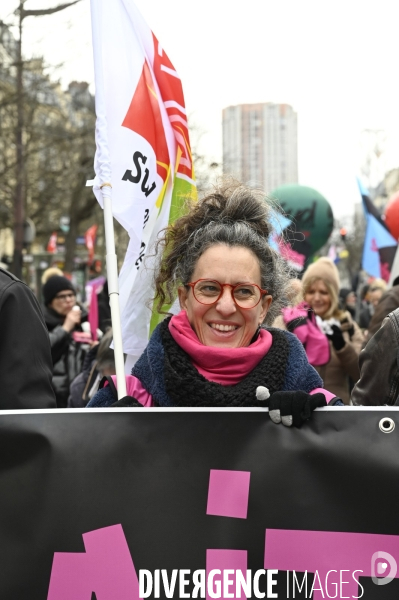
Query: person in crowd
(25,354)
(384,302)
(332,339)
(289,311)
(99,362)
(379,366)
(217,350)
(63,317)
(50,272)
(366,310)
(347,300)
(299,318)
(294,291)
(377,289)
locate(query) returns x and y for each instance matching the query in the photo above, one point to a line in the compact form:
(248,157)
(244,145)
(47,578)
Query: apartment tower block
(260,145)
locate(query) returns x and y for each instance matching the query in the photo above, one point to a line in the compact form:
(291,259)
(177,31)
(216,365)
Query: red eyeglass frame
(223,285)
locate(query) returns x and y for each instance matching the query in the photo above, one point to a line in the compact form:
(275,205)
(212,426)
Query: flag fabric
(143,149)
(278,240)
(296,260)
(92,289)
(332,253)
(90,241)
(52,243)
(379,245)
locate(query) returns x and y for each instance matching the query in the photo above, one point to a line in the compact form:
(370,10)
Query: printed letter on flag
(142,133)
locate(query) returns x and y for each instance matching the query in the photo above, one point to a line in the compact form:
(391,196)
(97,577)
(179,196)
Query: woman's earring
(256,334)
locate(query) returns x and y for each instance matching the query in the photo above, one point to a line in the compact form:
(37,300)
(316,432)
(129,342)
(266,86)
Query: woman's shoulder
(296,351)
(108,395)
(291,338)
(299,373)
(102,398)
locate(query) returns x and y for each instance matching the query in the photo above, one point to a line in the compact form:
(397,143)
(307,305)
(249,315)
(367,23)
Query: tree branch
(46,11)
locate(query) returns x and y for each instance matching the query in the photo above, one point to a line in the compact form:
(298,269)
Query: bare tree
(19,195)
(58,152)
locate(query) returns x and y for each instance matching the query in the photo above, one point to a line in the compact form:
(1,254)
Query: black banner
(91,500)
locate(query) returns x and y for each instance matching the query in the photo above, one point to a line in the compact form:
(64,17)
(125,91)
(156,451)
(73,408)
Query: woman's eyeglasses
(65,297)
(209,291)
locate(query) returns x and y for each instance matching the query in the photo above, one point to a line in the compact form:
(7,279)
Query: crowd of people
(247,333)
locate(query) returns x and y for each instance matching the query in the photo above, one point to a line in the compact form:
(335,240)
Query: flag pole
(113,289)
(103,190)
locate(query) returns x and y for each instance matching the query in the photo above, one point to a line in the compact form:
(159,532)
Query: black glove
(294,408)
(336,337)
(348,326)
(127,402)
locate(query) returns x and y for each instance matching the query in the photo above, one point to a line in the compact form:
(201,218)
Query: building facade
(260,145)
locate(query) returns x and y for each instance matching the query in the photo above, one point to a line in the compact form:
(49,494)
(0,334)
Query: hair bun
(233,215)
(232,203)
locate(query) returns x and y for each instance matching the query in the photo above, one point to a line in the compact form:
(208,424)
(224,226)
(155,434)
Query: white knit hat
(324,269)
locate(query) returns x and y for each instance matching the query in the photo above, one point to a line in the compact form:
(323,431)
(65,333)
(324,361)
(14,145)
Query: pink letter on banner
(290,550)
(228,494)
(106,568)
(226,559)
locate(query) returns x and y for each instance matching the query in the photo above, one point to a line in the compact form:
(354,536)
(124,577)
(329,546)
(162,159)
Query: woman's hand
(294,408)
(347,325)
(72,319)
(336,337)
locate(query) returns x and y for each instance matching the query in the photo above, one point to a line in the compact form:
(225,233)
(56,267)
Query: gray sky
(335,62)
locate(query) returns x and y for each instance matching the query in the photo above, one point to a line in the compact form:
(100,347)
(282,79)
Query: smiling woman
(218,350)
(225,315)
(330,336)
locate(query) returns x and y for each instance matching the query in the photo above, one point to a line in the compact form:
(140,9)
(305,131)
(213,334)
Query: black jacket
(379,366)
(67,355)
(25,355)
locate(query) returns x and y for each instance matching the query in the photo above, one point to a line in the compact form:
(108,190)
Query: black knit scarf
(187,387)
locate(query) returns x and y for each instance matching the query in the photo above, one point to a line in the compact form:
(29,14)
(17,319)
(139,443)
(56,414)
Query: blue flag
(379,245)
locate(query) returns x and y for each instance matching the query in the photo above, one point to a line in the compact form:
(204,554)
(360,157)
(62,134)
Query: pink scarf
(226,366)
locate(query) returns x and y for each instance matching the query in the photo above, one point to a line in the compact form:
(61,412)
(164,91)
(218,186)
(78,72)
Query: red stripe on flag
(144,117)
(171,89)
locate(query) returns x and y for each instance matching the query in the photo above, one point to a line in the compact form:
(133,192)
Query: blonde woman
(321,286)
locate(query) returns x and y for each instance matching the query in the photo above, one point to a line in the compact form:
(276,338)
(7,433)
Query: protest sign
(93,502)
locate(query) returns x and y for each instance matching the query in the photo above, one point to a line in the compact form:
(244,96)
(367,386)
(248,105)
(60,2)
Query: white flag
(143,149)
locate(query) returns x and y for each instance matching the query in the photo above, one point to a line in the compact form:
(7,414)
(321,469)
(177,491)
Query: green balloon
(311,214)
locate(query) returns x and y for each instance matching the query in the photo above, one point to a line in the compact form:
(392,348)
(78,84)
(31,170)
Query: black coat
(379,366)
(25,355)
(67,355)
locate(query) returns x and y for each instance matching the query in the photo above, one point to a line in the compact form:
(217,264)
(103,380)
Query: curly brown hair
(234,215)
